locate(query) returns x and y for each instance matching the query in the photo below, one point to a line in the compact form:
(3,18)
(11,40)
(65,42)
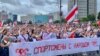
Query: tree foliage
(7,21)
(88,18)
(85,19)
(60,21)
(30,22)
(99,15)
(91,17)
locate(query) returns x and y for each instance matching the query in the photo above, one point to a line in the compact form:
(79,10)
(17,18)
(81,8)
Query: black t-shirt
(77,35)
(98,34)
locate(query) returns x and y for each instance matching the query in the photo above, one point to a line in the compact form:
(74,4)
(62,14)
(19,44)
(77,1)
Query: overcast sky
(34,6)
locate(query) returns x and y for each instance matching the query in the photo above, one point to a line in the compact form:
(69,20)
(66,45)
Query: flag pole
(60,11)
(76,3)
(60,14)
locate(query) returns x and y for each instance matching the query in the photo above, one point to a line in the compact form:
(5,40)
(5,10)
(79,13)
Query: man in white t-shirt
(48,35)
(23,36)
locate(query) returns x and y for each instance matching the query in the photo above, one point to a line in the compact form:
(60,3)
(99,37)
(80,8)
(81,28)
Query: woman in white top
(23,36)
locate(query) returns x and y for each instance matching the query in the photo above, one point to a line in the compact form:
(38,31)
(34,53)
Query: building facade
(85,7)
(3,15)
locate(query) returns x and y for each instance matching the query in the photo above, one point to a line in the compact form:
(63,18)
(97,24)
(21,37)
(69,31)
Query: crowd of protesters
(32,33)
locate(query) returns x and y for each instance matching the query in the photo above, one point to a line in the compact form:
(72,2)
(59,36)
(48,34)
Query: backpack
(30,38)
(98,34)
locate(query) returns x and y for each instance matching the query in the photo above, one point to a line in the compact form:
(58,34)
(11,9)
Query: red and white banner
(54,47)
(70,17)
(76,21)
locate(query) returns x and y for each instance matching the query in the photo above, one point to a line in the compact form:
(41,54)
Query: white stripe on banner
(54,47)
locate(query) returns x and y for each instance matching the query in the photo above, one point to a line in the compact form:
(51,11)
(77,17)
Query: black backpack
(30,38)
(98,34)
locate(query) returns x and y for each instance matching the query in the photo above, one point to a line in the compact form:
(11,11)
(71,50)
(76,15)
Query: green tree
(91,17)
(99,15)
(88,18)
(30,22)
(57,21)
(60,21)
(85,19)
(63,20)
(7,21)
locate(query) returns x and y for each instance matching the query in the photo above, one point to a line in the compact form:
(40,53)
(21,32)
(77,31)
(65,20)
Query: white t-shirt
(52,35)
(93,36)
(65,35)
(47,36)
(21,38)
(44,36)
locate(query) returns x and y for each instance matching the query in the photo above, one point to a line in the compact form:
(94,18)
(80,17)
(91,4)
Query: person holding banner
(31,36)
(23,36)
(4,43)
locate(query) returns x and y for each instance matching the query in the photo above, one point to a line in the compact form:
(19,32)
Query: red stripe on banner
(72,13)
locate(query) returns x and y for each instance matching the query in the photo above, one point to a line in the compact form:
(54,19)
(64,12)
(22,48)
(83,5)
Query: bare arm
(2,45)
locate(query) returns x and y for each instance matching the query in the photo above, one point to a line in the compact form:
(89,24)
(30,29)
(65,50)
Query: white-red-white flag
(72,13)
(76,21)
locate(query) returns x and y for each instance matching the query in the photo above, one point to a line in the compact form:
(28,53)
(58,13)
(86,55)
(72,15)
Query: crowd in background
(33,33)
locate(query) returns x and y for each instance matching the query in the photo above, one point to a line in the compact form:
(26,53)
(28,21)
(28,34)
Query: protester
(25,33)
(33,33)
(5,41)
